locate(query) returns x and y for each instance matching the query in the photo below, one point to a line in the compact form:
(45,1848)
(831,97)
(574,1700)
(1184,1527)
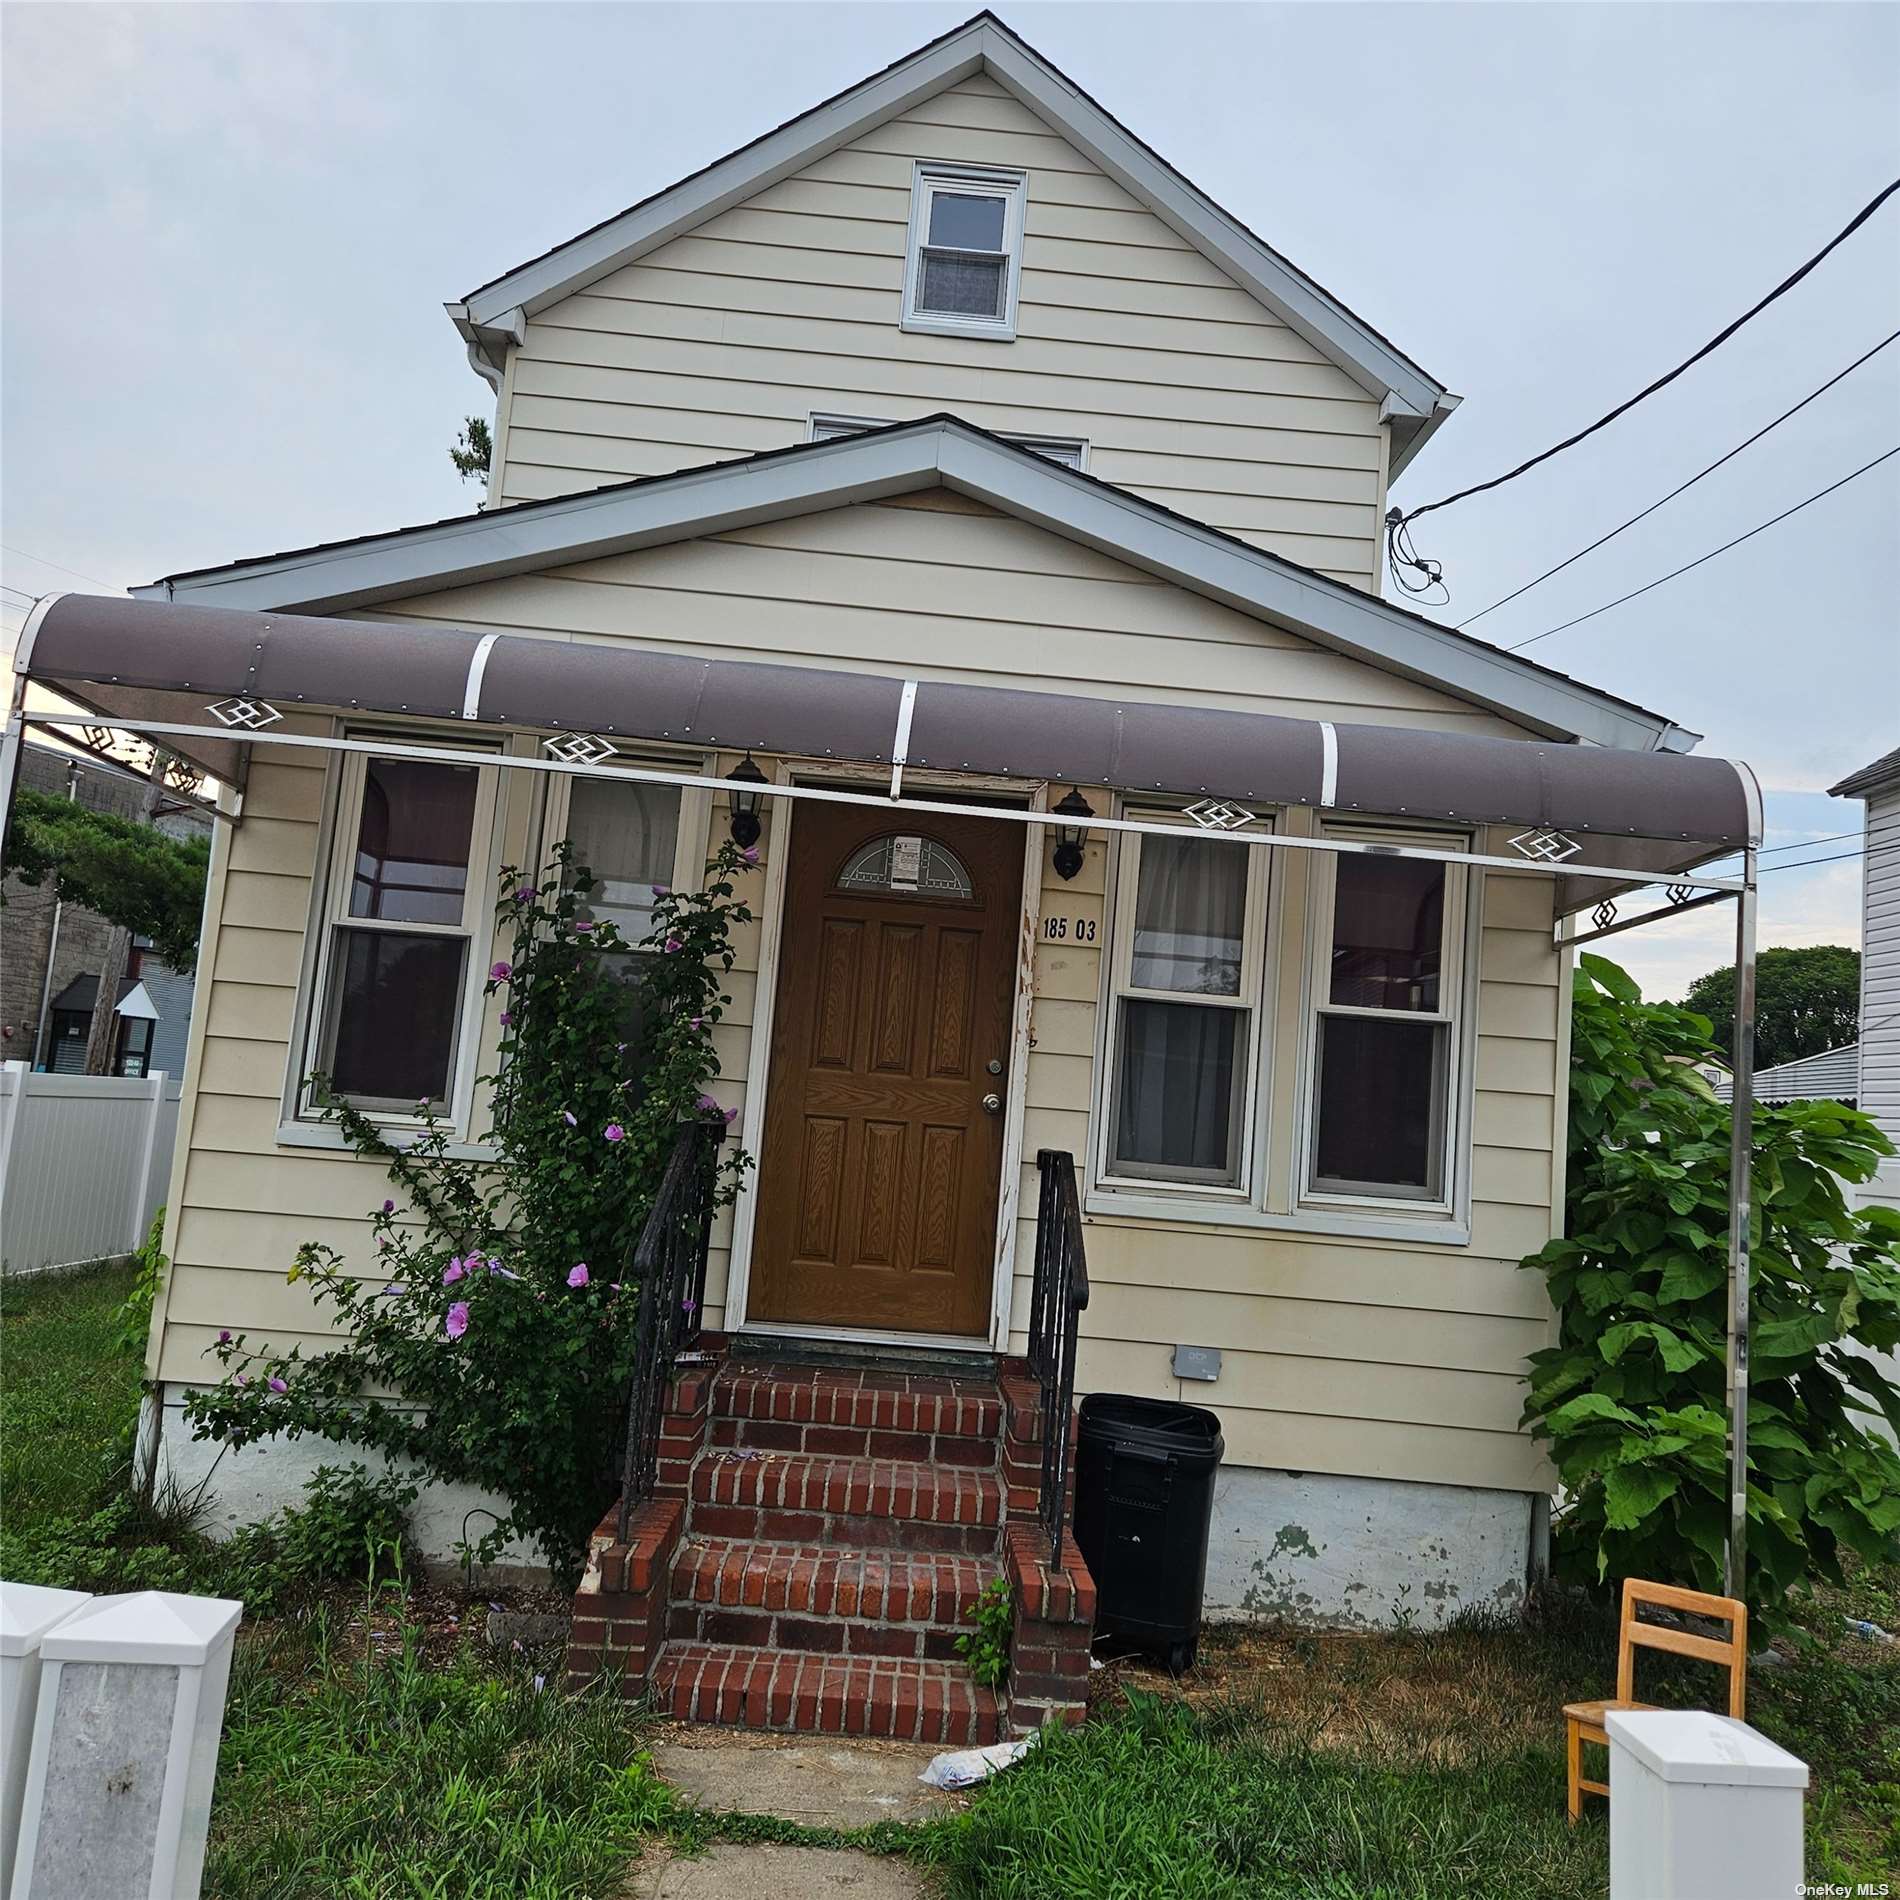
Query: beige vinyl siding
(1343,1354)
(725,341)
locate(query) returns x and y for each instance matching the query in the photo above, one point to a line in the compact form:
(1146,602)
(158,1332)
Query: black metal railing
(669,1262)
(1059,1294)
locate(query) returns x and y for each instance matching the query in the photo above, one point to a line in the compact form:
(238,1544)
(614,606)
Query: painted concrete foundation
(1362,1553)
(246,1486)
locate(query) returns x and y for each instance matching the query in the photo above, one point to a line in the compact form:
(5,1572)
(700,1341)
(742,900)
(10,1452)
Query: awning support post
(1740,1168)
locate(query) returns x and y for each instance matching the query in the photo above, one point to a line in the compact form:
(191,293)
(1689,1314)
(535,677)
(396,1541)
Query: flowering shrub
(493,1340)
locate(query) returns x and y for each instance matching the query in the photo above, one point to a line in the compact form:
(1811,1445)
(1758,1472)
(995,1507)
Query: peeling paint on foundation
(1362,1553)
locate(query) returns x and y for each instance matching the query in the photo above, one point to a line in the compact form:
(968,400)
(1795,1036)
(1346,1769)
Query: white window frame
(1066,451)
(332,915)
(1252,996)
(692,844)
(931,178)
(1456,1011)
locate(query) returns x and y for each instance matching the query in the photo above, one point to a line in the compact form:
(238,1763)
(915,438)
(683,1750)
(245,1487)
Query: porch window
(630,833)
(966,226)
(1383,1043)
(406,903)
(1186,978)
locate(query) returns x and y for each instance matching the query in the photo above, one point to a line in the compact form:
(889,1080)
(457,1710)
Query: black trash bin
(1144,1501)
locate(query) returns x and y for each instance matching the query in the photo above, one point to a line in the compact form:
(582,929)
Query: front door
(883,1140)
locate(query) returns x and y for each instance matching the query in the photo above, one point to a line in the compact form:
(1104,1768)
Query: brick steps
(850,1503)
(759,1688)
(811,1598)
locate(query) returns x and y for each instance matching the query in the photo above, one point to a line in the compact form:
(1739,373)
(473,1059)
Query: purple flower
(584,925)
(526,895)
(695,1022)
(670,945)
(689,1306)
(241,1378)
(277,1384)
(750,855)
(452,1272)
(507,1273)
(224,1336)
(394,1290)
(706,1105)
(567,1115)
(578,1276)
(389,1207)
(457,1322)
(507,1019)
(502,971)
(662,890)
(730,1116)
(614,1132)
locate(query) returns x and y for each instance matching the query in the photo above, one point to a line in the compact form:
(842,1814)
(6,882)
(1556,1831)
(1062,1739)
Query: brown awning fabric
(1650,812)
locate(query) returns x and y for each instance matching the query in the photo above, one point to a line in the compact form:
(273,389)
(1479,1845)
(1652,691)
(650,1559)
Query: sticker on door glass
(907,863)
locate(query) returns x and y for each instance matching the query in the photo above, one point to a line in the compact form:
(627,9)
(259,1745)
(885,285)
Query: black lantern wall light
(746,795)
(1071,835)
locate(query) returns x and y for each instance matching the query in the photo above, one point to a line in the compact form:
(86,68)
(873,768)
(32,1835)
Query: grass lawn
(375,1746)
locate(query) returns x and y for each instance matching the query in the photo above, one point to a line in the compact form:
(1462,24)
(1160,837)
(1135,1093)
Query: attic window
(966,228)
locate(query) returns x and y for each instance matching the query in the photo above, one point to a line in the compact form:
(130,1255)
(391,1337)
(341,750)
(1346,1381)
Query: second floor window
(966,229)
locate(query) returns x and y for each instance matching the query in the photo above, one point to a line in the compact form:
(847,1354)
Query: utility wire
(44,562)
(1837,857)
(1662,382)
(1518,645)
(1690,483)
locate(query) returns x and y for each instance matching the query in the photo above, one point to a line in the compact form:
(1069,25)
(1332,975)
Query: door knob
(992,1105)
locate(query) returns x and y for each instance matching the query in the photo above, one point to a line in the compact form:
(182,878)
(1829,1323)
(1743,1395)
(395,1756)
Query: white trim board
(936,451)
(1413,400)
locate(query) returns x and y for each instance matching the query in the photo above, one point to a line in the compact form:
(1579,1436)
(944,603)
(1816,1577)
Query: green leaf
(1610,977)
(1631,1492)
(1588,1406)
(1688,1276)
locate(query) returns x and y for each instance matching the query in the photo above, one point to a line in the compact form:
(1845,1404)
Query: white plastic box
(27,1614)
(1702,1807)
(125,1749)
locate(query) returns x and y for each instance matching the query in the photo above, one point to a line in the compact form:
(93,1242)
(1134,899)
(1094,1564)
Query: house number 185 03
(1069,929)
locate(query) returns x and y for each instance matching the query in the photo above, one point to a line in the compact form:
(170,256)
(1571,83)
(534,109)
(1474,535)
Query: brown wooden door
(879,1165)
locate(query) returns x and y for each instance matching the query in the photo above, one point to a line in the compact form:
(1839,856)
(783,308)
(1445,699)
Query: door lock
(994,1065)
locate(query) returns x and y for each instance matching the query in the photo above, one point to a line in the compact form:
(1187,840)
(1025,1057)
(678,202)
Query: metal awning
(1651,813)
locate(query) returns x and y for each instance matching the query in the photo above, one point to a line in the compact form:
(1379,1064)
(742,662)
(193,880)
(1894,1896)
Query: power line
(1662,382)
(1675,573)
(1808,844)
(1690,483)
(44,562)
(1837,857)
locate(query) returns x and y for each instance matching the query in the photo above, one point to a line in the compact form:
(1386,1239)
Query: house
(51,952)
(1011,513)
(1829,1075)
(1877,1084)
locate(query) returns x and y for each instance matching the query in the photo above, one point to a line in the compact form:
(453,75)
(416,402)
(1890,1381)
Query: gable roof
(492,315)
(1884,771)
(937,451)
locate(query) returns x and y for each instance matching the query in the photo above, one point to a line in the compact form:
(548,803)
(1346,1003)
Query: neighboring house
(1829,1075)
(51,952)
(1877,1086)
(947,452)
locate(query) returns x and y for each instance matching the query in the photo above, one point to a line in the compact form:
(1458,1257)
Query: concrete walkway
(814,1781)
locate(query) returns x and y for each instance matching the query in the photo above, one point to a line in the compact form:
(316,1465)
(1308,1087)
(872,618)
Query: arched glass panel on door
(907,866)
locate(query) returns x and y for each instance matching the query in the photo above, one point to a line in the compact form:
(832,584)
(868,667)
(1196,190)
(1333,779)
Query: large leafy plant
(492,1338)
(1632,1399)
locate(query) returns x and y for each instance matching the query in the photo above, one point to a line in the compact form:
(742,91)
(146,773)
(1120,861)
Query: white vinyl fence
(83,1160)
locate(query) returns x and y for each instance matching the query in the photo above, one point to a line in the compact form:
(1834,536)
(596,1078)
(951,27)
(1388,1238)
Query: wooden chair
(1583,1721)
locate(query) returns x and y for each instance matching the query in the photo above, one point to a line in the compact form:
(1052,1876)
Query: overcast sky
(229,232)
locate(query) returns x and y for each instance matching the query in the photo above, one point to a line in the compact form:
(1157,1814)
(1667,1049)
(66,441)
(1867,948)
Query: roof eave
(876,465)
(983,44)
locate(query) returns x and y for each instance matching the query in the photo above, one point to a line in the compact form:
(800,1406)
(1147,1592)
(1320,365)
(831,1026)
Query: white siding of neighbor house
(1371,1358)
(1880,967)
(723,343)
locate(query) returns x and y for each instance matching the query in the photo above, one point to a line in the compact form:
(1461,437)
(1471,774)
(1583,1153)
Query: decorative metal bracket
(1216,814)
(578,748)
(1545,847)
(1605,914)
(243,714)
